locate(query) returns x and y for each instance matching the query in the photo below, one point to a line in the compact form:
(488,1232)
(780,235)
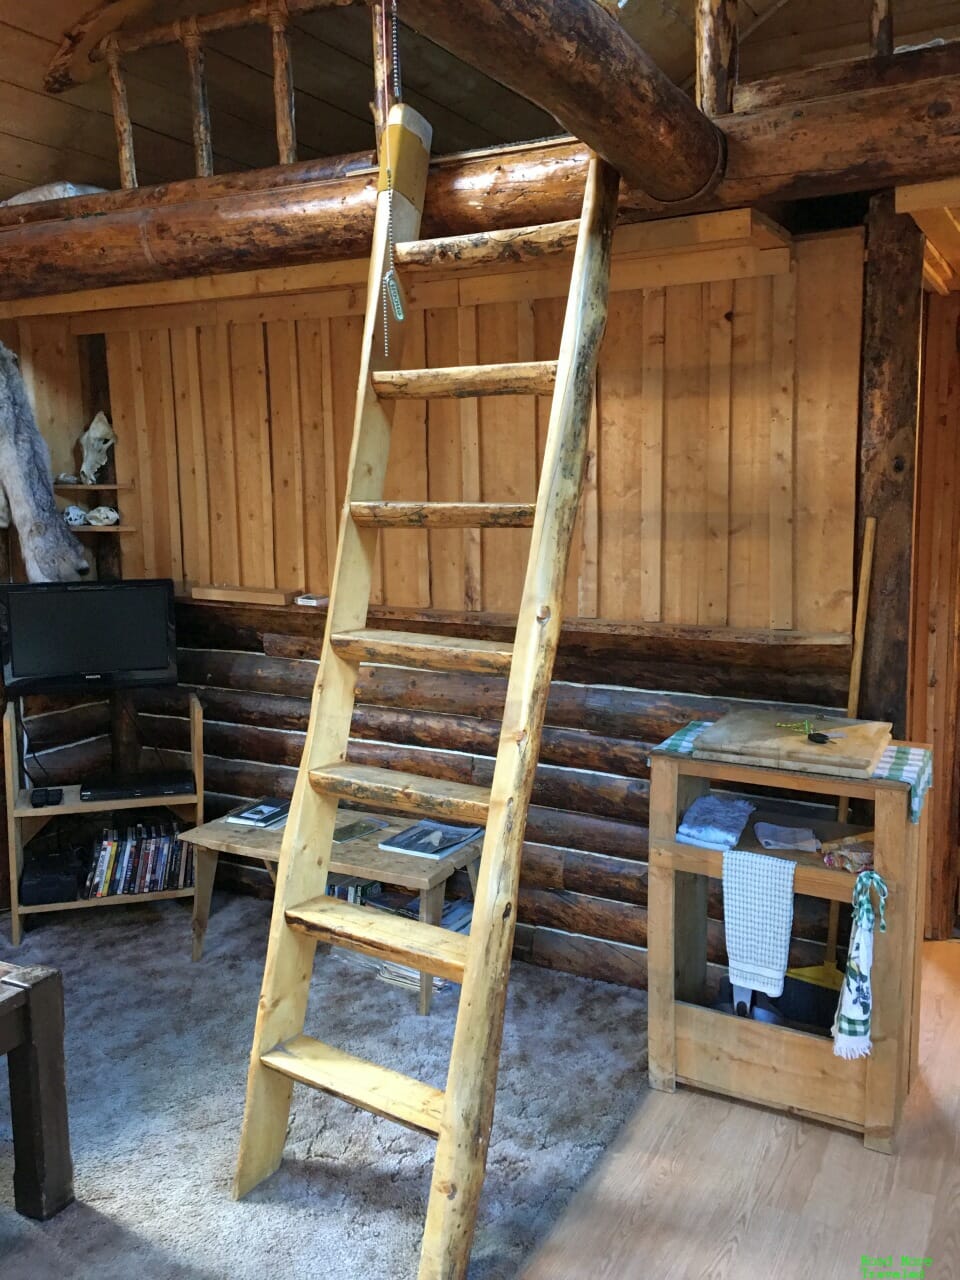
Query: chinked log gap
(861,141)
(576,61)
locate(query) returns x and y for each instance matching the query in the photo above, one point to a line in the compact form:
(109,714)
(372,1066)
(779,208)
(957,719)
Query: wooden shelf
(782,779)
(71,803)
(115,900)
(102,528)
(774,1066)
(781,1066)
(92,488)
(23,821)
(811,876)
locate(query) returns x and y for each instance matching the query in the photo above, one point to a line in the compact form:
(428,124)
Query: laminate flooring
(700,1188)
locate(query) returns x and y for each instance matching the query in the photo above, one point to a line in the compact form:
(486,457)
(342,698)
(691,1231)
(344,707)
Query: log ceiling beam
(856,75)
(575,60)
(859,142)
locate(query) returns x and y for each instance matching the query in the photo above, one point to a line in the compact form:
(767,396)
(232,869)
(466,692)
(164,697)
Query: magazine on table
(266,813)
(429,839)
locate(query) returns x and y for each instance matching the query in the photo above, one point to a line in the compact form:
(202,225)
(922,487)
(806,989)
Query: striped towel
(912,765)
(757,918)
(851,1026)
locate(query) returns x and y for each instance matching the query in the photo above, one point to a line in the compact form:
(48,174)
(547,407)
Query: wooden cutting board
(753,737)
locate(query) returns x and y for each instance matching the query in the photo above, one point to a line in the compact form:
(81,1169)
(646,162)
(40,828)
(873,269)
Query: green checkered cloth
(851,1025)
(912,765)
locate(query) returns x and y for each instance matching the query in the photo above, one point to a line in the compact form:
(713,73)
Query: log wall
(582,904)
(725,436)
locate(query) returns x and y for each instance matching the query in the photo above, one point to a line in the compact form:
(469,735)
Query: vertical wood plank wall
(935,644)
(721,483)
(50,363)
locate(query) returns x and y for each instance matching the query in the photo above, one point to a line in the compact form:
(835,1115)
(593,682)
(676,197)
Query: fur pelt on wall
(50,551)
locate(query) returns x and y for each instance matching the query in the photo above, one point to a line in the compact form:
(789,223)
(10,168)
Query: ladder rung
(534,377)
(519,245)
(408,792)
(446,515)
(383,935)
(377,1089)
(435,653)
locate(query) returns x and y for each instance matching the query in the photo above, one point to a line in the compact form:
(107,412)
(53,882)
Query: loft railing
(191,32)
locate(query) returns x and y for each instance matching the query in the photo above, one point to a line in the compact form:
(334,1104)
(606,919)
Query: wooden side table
(792,1070)
(359,858)
(31,1035)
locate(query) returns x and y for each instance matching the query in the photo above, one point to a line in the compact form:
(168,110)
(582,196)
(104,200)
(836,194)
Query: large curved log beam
(577,62)
(857,142)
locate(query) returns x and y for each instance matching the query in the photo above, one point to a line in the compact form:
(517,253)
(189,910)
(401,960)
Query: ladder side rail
(305,851)
(471,1083)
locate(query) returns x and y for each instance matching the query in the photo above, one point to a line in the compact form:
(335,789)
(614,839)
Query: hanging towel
(757,916)
(715,822)
(851,1026)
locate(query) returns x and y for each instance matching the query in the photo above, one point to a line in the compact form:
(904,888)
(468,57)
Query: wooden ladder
(459,1117)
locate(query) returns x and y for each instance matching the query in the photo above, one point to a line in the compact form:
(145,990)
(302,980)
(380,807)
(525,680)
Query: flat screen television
(73,636)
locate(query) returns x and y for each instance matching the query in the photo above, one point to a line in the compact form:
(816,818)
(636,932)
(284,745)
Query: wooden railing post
(717,55)
(382,64)
(121,117)
(279,19)
(881,28)
(199,106)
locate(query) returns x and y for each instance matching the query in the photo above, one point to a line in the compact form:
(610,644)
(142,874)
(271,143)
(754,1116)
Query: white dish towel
(757,915)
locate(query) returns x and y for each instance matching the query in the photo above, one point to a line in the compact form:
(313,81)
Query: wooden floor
(697,1188)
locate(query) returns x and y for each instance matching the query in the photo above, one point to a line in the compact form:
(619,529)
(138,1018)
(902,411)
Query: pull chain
(392,299)
(395,31)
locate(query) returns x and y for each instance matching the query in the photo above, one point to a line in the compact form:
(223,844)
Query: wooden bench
(31,1035)
(357,859)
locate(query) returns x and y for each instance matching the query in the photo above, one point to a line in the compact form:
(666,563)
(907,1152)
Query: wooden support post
(283,83)
(43,1171)
(889,395)
(718,54)
(199,105)
(881,28)
(121,118)
(384,98)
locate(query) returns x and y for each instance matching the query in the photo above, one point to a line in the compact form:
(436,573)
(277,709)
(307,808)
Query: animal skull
(103,516)
(75,516)
(95,443)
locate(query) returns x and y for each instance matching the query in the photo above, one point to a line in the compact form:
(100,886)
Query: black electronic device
(139,786)
(73,636)
(40,797)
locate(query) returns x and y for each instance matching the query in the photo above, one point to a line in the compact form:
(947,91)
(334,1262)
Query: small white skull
(103,515)
(75,516)
(65,477)
(95,443)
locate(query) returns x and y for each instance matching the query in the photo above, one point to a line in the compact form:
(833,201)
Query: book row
(143,859)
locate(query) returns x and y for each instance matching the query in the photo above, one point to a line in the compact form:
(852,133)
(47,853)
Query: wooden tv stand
(24,822)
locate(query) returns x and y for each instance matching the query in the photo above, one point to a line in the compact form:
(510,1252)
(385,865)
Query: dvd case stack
(142,859)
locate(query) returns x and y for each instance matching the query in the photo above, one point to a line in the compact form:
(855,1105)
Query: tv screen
(74,636)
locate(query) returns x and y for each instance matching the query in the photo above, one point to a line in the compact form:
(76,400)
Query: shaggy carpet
(156,1059)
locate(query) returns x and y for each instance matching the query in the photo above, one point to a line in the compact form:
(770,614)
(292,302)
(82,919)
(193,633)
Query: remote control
(40,797)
